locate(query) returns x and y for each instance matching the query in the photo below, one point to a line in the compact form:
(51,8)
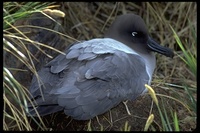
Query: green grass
(16,95)
(175,25)
(13,11)
(189,58)
(15,105)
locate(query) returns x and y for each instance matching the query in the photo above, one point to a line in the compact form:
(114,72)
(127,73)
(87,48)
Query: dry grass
(84,21)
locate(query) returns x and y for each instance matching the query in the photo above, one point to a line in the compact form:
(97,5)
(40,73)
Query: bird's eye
(134,33)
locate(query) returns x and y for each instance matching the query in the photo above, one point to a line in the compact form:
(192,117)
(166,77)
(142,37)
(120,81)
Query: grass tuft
(173,24)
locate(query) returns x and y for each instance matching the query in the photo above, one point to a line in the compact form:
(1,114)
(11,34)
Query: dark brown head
(131,30)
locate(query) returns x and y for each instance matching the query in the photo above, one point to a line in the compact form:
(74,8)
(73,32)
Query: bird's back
(90,79)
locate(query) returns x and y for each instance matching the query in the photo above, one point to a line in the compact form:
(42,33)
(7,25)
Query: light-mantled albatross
(96,75)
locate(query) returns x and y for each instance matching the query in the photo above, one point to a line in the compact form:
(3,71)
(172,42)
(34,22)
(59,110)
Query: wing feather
(87,81)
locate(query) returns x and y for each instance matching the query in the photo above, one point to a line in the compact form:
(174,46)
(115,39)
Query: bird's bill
(154,46)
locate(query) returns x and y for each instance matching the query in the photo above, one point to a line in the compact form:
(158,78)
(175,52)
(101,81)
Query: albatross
(96,75)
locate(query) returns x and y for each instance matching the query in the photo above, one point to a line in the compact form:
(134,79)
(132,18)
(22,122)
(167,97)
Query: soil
(113,120)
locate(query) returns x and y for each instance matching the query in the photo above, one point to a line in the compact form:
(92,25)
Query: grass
(171,24)
(15,104)
(15,95)
(189,58)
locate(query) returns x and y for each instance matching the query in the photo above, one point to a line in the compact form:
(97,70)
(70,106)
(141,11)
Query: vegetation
(173,24)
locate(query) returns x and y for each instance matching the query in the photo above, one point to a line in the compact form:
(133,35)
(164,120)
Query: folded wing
(87,81)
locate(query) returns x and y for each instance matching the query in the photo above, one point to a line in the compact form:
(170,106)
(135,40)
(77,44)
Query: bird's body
(94,76)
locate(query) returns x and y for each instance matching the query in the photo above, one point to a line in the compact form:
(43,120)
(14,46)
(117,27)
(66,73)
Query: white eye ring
(134,33)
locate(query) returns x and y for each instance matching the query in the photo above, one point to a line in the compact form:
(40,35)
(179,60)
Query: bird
(94,76)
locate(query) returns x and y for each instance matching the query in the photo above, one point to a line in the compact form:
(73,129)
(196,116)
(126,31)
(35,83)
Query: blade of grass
(168,125)
(175,120)
(189,58)
(13,90)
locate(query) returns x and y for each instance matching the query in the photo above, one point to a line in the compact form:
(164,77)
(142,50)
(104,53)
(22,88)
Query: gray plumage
(86,82)
(96,75)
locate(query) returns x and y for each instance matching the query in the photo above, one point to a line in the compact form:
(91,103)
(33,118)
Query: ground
(115,119)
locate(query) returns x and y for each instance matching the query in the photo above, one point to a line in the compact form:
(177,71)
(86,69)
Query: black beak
(154,46)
